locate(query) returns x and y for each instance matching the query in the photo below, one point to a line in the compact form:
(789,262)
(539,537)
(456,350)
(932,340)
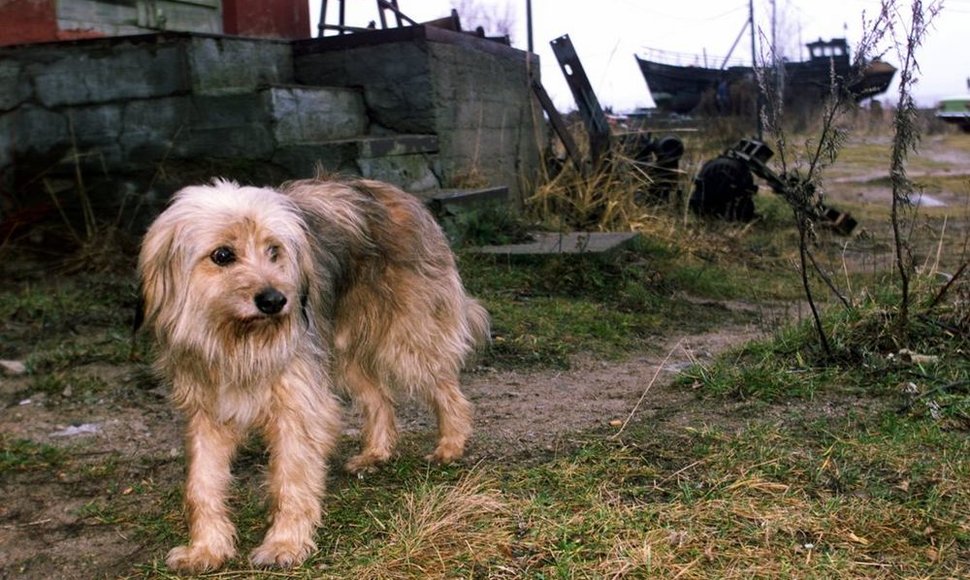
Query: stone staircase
(130,102)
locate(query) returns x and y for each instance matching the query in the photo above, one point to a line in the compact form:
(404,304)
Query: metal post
(528,22)
(589,106)
(323,18)
(754,65)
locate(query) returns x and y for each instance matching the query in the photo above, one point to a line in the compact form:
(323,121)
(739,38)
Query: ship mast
(754,64)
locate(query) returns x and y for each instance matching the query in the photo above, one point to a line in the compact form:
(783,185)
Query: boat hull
(694,89)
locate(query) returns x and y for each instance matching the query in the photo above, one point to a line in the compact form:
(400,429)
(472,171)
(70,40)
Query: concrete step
(574,243)
(302,114)
(451,200)
(341,154)
(399,159)
(244,125)
(292,114)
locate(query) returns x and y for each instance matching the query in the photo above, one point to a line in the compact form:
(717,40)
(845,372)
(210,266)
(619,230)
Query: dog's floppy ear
(157,270)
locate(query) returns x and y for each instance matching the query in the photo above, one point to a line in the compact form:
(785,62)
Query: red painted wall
(24,21)
(266,19)
(27,21)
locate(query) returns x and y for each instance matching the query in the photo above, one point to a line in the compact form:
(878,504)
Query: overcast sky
(607,33)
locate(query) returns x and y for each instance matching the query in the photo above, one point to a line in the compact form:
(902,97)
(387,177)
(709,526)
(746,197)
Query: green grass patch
(20,455)
(546,310)
(42,321)
(924,363)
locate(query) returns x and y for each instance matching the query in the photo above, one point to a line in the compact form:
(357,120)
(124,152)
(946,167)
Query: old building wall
(472,93)
(141,113)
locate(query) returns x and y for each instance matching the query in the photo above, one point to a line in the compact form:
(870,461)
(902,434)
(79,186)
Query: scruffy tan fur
(264,302)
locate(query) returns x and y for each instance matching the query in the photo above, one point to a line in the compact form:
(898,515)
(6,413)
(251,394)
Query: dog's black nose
(270,301)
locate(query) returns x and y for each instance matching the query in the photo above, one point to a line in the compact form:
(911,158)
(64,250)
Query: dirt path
(522,414)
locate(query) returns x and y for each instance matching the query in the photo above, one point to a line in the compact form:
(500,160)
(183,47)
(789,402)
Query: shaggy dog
(262,302)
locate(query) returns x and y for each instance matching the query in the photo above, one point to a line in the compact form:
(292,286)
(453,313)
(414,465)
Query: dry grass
(761,501)
(603,199)
(440,529)
(619,195)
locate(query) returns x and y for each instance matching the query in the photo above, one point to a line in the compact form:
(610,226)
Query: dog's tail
(479,325)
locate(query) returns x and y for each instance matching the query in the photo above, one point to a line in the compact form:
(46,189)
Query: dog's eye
(222,256)
(273,252)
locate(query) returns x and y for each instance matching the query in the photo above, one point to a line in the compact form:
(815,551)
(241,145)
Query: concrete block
(37,130)
(152,127)
(96,131)
(394,78)
(409,172)
(313,114)
(389,145)
(225,111)
(6,142)
(97,125)
(303,160)
(108,72)
(235,125)
(250,141)
(14,86)
(231,65)
(411,156)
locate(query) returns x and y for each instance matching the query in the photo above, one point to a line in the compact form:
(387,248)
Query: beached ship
(689,89)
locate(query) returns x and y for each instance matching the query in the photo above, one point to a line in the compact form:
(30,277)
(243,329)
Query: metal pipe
(754,66)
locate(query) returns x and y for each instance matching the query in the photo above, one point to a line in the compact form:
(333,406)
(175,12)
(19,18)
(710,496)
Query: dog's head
(224,263)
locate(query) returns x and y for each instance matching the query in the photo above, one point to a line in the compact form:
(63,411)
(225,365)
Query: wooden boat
(686,89)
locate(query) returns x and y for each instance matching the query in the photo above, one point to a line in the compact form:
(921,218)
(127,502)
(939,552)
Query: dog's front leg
(210,446)
(300,434)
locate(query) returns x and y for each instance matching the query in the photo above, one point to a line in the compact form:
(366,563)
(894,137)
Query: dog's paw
(281,554)
(366,462)
(445,453)
(196,559)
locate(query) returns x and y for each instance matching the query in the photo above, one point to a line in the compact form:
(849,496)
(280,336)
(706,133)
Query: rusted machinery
(725,188)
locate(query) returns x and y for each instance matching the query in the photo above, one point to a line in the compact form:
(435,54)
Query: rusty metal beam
(558,125)
(589,107)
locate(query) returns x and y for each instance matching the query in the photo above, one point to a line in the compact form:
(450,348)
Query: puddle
(924,200)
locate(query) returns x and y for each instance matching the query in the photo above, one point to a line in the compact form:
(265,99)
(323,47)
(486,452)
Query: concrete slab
(455,199)
(549,244)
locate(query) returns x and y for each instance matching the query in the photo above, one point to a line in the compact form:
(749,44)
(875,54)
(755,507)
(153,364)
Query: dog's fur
(264,301)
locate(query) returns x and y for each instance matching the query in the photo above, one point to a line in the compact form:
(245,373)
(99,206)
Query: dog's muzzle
(270,301)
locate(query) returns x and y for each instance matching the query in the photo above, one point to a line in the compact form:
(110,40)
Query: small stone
(13,368)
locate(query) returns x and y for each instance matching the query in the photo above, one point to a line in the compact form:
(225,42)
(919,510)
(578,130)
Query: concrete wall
(473,94)
(423,112)
(126,104)
(489,126)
